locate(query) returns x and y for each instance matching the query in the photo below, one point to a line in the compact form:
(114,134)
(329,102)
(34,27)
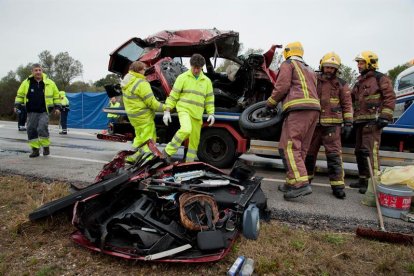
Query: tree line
(61,68)
(64,69)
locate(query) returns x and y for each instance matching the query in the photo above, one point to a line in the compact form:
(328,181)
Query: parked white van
(404,90)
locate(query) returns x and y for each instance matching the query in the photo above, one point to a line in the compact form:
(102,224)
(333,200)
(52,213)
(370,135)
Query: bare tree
(348,74)
(23,72)
(47,61)
(66,69)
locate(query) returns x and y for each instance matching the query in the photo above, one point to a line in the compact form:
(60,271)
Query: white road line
(80,159)
(70,131)
(55,130)
(313,183)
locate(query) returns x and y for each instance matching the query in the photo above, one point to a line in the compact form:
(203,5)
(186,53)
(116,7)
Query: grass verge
(44,248)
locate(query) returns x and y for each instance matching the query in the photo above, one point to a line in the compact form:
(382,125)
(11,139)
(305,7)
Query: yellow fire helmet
(293,49)
(370,58)
(330,59)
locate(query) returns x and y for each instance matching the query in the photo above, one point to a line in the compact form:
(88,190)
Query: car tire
(217,147)
(267,128)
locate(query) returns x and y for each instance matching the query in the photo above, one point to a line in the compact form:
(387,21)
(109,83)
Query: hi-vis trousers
(37,129)
(189,128)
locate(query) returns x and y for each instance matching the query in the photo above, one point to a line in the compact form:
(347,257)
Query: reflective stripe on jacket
(295,87)
(113,105)
(336,101)
(52,98)
(373,96)
(192,95)
(139,100)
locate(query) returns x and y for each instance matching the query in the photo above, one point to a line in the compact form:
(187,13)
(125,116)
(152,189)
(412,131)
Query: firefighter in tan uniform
(191,95)
(336,109)
(374,102)
(295,87)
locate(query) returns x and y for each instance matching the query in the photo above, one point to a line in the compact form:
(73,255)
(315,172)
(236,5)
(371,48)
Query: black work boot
(338,192)
(46,151)
(294,192)
(362,182)
(283,187)
(35,153)
(363,189)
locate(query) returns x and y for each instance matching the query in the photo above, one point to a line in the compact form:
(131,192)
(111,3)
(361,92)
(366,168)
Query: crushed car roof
(179,43)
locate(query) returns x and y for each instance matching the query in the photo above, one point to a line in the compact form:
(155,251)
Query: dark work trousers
(22,115)
(37,129)
(368,139)
(297,131)
(64,118)
(330,138)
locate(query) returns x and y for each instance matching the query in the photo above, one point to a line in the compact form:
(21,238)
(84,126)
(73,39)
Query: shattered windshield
(131,51)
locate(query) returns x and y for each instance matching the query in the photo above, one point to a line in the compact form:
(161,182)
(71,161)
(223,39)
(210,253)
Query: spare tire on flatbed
(264,128)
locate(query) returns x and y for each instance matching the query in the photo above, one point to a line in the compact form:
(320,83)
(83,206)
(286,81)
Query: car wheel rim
(216,147)
(255,118)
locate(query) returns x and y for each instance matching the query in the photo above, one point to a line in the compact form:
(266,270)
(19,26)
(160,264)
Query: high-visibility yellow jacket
(52,98)
(139,101)
(113,105)
(64,100)
(192,95)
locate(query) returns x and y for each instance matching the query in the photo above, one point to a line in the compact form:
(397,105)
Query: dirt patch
(44,248)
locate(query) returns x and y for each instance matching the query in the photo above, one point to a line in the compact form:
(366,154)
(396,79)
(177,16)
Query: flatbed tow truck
(223,143)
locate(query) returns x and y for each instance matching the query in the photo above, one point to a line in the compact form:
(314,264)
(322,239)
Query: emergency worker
(64,113)
(336,109)
(112,117)
(40,95)
(374,102)
(140,106)
(191,95)
(295,88)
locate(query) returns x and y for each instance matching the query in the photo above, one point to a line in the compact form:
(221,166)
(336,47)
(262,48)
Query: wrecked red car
(247,80)
(155,211)
(250,81)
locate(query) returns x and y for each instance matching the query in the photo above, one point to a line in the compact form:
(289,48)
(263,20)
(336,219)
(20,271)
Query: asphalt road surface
(79,156)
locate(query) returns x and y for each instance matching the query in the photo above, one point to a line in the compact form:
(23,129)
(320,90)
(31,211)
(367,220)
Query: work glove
(381,122)
(346,131)
(211,120)
(166,118)
(267,111)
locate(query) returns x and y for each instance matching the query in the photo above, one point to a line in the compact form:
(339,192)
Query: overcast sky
(90,29)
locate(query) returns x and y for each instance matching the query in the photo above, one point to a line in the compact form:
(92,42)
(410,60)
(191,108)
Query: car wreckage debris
(180,212)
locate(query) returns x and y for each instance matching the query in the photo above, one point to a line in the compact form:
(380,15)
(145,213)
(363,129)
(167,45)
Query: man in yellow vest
(40,95)
(191,95)
(140,106)
(112,117)
(64,113)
